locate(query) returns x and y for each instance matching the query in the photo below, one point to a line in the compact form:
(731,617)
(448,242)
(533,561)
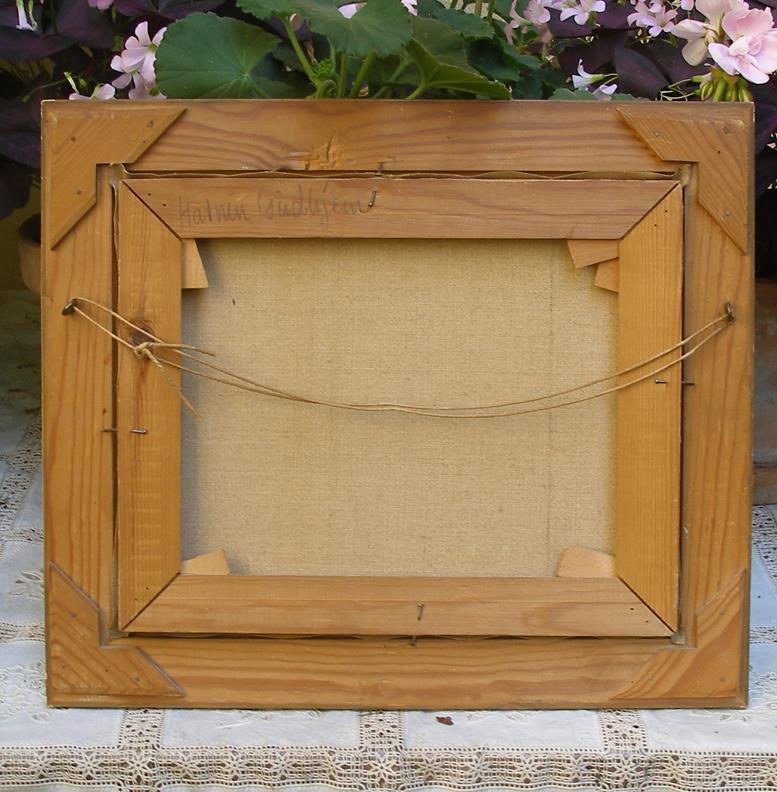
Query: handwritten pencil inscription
(270,204)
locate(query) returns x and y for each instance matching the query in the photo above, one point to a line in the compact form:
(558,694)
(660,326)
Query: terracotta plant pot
(28,245)
(765,424)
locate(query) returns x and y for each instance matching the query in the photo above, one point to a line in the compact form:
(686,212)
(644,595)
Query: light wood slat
(607,275)
(648,470)
(581,562)
(374,673)
(77,399)
(717,438)
(193,275)
(148,460)
(214,563)
(401,208)
(246,604)
(347,135)
(585,252)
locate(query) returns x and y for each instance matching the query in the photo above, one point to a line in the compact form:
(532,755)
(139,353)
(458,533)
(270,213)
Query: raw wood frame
(704,661)
(154,216)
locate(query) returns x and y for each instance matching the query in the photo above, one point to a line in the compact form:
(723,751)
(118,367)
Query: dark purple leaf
(766,232)
(766,173)
(15,181)
(19,46)
(637,75)
(765,98)
(671,61)
(19,116)
(81,23)
(21,147)
(614,17)
(135,8)
(165,9)
(177,9)
(568,28)
(595,55)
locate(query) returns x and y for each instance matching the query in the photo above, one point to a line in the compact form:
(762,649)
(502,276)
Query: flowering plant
(673,50)
(54,49)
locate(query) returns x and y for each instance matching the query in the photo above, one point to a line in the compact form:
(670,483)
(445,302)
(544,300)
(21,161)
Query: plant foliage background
(667,50)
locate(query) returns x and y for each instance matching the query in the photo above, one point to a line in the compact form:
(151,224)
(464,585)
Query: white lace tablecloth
(74,749)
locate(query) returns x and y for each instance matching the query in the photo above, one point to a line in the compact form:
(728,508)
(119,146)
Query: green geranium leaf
(502,7)
(445,66)
(262,9)
(441,41)
(204,55)
(470,26)
(277,82)
(426,8)
(380,26)
(567,94)
(490,59)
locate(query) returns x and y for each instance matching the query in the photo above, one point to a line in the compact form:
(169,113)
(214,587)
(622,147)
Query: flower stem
(478,7)
(418,91)
(342,76)
(394,76)
(490,13)
(303,59)
(365,67)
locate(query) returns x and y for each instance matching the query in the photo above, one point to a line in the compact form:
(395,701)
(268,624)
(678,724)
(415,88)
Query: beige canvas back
(290,488)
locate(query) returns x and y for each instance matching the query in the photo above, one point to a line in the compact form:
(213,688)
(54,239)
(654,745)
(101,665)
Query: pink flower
(700,34)
(686,5)
(535,14)
(103,5)
(138,56)
(604,92)
(351,8)
(753,51)
(656,17)
(101,93)
(583,79)
(136,64)
(143,91)
(25,20)
(581,10)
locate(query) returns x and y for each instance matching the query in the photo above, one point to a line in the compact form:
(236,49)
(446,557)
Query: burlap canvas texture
(295,489)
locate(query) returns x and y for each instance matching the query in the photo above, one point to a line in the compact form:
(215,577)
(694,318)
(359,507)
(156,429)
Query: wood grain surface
(474,136)
(76,140)
(647,506)
(705,663)
(148,436)
(77,402)
(247,604)
(719,140)
(79,665)
(399,208)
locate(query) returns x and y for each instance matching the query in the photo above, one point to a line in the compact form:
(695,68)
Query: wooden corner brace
(78,140)
(80,665)
(711,668)
(715,144)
